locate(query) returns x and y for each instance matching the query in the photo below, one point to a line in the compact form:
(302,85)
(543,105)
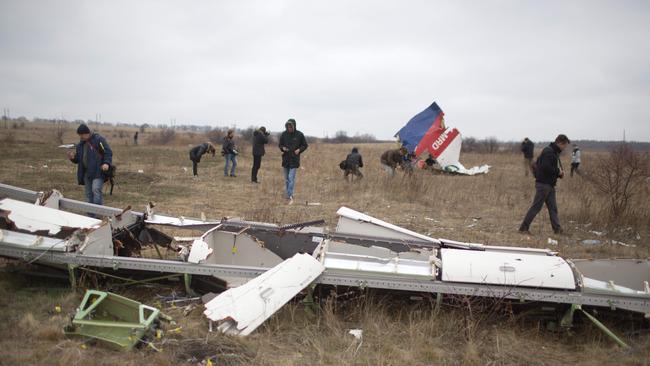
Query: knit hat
(82,129)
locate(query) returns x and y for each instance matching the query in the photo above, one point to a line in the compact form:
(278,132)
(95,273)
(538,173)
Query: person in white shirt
(575,160)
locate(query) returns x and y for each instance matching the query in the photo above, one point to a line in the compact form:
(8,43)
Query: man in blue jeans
(292,144)
(229,153)
(93,157)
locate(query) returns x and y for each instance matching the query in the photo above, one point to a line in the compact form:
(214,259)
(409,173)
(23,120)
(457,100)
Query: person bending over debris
(230,153)
(391,158)
(94,159)
(547,169)
(197,152)
(352,163)
(527,148)
(260,138)
(292,143)
(575,160)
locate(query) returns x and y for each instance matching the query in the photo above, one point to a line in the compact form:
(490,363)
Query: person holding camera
(260,138)
(94,159)
(229,153)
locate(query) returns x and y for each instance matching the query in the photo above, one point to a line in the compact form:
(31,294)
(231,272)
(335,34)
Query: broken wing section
(240,310)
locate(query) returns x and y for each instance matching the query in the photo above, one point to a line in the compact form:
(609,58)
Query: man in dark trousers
(135,138)
(260,138)
(527,148)
(547,169)
(94,158)
(353,162)
(197,152)
(292,144)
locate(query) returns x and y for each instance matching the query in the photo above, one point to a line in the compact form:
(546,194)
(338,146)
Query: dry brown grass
(397,331)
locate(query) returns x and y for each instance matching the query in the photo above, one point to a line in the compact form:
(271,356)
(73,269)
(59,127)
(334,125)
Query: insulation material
(350,257)
(241,310)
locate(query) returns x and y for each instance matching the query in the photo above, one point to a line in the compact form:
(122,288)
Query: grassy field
(397,330)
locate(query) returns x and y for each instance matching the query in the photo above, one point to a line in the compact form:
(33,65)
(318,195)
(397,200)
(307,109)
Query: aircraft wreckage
(264,265)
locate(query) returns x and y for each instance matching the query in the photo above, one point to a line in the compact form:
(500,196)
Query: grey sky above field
(497,68)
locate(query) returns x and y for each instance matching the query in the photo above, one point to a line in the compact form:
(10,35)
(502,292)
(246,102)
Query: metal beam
(341,278)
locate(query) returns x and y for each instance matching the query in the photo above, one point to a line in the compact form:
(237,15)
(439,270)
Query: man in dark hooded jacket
(547,169)
(197,152)
(292,144)
(94,158)
(260,138)
(353,162)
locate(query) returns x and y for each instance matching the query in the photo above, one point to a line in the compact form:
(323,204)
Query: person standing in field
(135,138)
(547,169)
(260,138)
(94,158)
(292,144)
(575,160)
(390,159)
(527,148)
(197,152)
(229,153)
(353,162)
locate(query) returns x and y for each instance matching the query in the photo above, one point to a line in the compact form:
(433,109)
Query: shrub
(620,177)
(162,137)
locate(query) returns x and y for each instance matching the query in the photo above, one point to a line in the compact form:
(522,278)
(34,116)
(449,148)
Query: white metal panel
(35,218)
(355,222)
(351,257)
(31,241)
(503,268)
(242,309)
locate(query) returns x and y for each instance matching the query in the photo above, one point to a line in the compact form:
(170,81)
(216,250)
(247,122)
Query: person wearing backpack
(527,148)
(94,159)
(547,170)
(351,165)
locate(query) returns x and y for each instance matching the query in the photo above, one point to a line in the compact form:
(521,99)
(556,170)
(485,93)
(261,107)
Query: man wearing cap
(94,158)
(547,169)
(260,138)
(292,144)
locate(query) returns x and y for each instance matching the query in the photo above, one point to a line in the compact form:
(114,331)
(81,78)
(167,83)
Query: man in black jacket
(197,152)
(353,162)
(260,138)
(547,169)
(527,148)
(292,144)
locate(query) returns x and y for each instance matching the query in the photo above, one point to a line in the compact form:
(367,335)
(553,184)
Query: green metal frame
(567,322)
(111,318)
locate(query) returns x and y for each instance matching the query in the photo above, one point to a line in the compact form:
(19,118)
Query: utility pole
(623,135)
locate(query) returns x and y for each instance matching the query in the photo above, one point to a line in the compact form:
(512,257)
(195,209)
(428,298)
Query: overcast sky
(497,68)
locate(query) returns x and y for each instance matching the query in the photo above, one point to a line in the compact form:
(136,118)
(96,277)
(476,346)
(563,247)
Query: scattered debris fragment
(552,241)
(242,309)
(114,319)
(591,242)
